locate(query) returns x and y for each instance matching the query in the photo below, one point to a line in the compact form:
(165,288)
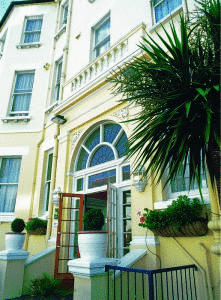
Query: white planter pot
(92,244)
(14,241)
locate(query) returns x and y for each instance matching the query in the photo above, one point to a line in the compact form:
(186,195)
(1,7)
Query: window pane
(102,155)
(93,140)
(24,82)
(9,176)
(58,79)
(22,92)
(9,171)
(110,132)
(102,178)
(126,173)
(82,159)
(122,145)
(102,32)
(80,184)
(49,167)
(32,30)
(165,7)
(8,195)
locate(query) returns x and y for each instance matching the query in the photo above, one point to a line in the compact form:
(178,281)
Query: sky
(3,6)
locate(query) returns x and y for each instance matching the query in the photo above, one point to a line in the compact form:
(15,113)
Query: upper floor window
(58,69)
(162,8)
(101,37)
(22,92)
(32,29)
(64,14)
(9,176)
(2,42)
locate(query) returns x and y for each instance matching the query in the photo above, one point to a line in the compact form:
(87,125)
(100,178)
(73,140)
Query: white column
(12,273)
(90,278)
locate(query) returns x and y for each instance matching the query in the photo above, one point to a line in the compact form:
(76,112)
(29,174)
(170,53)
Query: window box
(198,228)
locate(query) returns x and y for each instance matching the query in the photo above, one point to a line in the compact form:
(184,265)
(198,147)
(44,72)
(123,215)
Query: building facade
(55,57)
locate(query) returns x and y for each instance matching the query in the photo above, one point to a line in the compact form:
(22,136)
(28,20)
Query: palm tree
(177,88)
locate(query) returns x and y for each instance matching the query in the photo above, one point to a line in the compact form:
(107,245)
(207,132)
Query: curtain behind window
(9,175)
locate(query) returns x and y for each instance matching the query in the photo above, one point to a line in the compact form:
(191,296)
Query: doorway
(97,201)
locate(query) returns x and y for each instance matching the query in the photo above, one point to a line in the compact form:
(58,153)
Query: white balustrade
(105,62)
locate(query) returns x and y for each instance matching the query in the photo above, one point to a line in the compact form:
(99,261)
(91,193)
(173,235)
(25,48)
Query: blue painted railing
(176,283)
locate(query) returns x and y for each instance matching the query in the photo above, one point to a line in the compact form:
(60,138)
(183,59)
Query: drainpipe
(34,182)
(206,280)
(53,181)
(66,49)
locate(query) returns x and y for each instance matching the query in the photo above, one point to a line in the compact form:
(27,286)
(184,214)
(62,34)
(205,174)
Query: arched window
(100,158)
(107,142)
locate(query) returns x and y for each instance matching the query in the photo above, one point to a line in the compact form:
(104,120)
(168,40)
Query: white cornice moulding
(12,151)
(150,240)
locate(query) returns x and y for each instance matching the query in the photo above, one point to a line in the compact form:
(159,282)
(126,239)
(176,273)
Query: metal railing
(176,283)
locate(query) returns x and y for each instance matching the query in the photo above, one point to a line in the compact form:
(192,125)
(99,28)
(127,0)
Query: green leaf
(187,106)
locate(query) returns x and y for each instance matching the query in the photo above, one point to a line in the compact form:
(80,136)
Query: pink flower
(139,213)
(142,219)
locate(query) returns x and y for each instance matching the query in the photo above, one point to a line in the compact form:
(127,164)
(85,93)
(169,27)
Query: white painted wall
(14,59)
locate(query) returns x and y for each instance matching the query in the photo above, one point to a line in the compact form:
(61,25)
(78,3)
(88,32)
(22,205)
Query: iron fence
(176,283)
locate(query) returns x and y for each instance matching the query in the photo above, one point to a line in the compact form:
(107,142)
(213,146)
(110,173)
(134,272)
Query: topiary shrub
(18,225)
(36,226)
(93,219)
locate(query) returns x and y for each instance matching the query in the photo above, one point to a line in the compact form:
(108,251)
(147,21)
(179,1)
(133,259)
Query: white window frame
(57,82)
(47,182)
(166,16)
(2,43)
(120,218)
(9,216)
(106,40)
(20,113)
(64,10)
(24,31)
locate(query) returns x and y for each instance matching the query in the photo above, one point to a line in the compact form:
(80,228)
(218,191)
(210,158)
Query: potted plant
(92,241)
(36,226)
(15,240)
(184,217)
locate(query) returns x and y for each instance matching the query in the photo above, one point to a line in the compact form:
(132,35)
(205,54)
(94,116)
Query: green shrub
(17,225)
(181,212)
(35,223)
(93,219)
(47,286)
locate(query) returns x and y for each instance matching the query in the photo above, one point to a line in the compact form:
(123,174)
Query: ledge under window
(6,217)
(60,32)
(27,46)
(16,119)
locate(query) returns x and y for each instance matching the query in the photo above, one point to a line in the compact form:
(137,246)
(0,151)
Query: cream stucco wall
(83,112)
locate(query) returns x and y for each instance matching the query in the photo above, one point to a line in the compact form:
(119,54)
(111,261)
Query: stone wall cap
(14,255)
